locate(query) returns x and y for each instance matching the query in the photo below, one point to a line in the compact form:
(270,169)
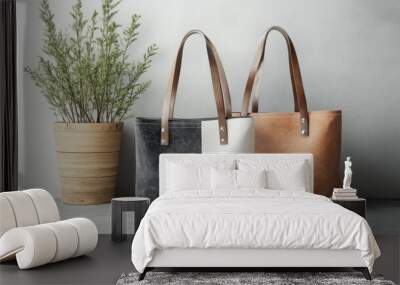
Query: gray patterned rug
(269,278)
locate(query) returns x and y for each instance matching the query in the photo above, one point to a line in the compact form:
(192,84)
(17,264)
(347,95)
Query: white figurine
(347,174)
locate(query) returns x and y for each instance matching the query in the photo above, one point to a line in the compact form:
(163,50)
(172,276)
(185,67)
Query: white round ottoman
(40,244)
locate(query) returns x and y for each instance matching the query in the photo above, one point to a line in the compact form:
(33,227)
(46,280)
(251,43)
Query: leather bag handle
(300,103)
(220,89)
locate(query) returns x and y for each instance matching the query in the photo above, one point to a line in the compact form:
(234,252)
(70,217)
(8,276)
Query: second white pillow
(251,178)
(226,179)
(223,179)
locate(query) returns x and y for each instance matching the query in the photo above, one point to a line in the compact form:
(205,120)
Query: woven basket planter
(87,157)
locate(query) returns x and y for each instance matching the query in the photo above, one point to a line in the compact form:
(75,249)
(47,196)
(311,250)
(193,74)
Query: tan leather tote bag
(317,132)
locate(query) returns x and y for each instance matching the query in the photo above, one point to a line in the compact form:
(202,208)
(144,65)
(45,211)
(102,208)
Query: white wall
(348,51)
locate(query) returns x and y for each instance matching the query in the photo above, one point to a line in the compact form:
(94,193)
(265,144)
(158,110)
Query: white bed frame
(246,258)
(234,257)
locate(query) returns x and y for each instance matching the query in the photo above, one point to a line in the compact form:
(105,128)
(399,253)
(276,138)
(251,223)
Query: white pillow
(292,179)
(251,178)
(227,179)
(282,174)
(223,179)
(185,175)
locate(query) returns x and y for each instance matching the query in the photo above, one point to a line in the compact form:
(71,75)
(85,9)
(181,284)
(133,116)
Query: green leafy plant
(86,75)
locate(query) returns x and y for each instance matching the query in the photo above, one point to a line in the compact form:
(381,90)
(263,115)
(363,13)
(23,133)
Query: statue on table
(348,173)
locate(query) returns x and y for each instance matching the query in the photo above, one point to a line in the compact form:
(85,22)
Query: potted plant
(90,84)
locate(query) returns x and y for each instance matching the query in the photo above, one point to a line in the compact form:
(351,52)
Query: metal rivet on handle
(303,120)
(222,140)
(163,129)
(222,129)
(303,132)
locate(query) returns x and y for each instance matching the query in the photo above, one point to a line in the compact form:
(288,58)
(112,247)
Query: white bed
(249,227)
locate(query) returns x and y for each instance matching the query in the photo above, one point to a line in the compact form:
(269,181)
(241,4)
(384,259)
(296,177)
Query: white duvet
(250,219)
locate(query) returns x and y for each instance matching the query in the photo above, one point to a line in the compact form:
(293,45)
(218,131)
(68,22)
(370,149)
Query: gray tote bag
(169,135)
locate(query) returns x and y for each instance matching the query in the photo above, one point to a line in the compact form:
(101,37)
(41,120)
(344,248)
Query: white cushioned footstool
(31,230)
